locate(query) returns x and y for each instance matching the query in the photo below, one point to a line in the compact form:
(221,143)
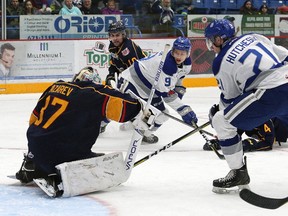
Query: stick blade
(261,201)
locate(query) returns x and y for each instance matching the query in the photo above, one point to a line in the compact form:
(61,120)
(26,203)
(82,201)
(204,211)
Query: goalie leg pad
(93,174)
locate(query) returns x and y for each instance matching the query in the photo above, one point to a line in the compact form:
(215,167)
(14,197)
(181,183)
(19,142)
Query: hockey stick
(138,134)
(220,156)
(171,144)
(179,120)
(261,201)
(193,126)
(100,173)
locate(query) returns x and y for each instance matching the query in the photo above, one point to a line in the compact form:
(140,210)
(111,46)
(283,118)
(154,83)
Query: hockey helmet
(117,26)
(222,28)
(182,43)
(87,74)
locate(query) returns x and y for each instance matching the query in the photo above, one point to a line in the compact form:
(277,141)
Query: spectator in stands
(42,6)
(29,9)
(13,9)
(183,7)
(69,9)
(263,10)
(87,8)
(56,6)
(111,8)
(163,16)
(247,8)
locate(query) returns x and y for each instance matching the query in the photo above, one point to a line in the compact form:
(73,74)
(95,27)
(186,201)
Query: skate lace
(229,176)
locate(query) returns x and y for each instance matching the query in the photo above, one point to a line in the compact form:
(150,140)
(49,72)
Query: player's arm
(111,75)
(118,106)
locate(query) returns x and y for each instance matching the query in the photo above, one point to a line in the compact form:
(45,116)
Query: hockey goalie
(63,127)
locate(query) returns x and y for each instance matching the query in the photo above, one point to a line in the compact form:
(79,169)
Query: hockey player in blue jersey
(139,79)
(254,88)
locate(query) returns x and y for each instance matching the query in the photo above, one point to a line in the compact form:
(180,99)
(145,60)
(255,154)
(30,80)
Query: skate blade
(235,189)
(48,189)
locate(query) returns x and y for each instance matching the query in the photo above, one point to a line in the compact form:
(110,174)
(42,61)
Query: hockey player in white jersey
(252,77)
(139,79)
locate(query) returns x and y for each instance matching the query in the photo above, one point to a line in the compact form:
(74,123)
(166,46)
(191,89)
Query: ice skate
(51,185)
(235,180)
(102,129)
(150,139)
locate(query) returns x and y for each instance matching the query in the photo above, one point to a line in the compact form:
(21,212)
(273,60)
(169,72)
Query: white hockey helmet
(87,74)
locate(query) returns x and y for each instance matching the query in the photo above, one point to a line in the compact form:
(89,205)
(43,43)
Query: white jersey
(143,72)
(249,62)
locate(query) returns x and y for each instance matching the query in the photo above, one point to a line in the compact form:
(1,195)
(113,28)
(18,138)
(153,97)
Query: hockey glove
(249,144)
(110,80)
(214,142)
(213,110)
(187,114)
(145,120)
(180,90)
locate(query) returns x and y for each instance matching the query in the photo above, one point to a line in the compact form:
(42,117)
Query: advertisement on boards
(65,27)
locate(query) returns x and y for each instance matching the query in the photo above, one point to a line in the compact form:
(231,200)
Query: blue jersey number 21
(258,55)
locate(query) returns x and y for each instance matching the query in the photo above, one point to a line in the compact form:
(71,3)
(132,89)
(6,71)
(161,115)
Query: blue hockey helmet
(222,28)
(182,43)
(87,74)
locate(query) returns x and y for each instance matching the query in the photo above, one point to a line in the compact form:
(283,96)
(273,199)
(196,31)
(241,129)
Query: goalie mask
(87,74)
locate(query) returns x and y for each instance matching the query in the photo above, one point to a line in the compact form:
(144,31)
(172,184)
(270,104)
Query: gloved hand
(213,110)
(145,120)
(249,144)
(214,142)
(187,114)
(110,80)
(180,90)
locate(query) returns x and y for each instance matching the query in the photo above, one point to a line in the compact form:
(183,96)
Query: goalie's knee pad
(161,118)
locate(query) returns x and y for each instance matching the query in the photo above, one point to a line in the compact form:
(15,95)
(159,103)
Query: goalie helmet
(87,74)
(117,26)
(182,43)
(222,28)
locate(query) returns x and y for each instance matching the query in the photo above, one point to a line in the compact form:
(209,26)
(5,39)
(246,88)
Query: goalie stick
(138,134)
(171,144)
(261,201)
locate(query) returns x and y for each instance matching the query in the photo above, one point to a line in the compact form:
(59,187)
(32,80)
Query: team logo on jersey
(125,52)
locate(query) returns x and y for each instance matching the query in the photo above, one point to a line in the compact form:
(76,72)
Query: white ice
(176,182)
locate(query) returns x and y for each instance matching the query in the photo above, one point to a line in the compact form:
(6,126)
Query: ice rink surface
(176,182)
